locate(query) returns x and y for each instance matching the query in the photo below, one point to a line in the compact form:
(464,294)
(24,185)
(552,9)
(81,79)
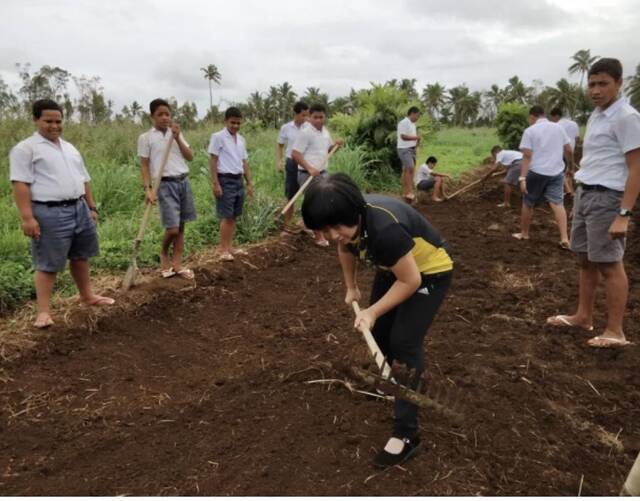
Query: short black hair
(413,109)
(300,106)
(432,160)
(156,103)
(317,108)
(496,149)
(45,104)
(536,110)
(608,65)
(556,112)
(232,112)
(331,201)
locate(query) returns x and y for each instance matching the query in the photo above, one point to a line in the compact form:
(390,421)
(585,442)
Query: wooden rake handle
(373,346)
(308,181)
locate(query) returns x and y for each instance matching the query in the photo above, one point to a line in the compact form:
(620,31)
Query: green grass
(109,152)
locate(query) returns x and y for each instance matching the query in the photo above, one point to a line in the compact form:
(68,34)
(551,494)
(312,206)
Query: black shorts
(291,185)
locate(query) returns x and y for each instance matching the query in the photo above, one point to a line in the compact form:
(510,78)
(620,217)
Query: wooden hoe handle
(373,346)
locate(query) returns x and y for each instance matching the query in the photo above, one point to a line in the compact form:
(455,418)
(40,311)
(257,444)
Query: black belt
(174,178)
(596,187)
(230,176)
(59,203)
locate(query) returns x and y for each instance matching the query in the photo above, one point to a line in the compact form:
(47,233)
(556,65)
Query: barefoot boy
(608,188)
(228,163)
(174,192)
(414,271)
(56,206)
(427,178)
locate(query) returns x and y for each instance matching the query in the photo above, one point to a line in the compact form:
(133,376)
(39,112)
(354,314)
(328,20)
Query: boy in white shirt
(608,188)
(427,178)
(407,143)
(56,206)
(509,160)
(573,131)
(228,161)
(174,191)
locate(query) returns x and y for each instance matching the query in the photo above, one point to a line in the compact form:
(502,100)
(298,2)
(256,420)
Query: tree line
(457,105)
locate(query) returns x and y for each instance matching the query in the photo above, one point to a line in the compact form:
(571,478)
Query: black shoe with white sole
(397,451)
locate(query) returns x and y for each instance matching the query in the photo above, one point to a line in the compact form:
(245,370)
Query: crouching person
(414,271)
(56,206)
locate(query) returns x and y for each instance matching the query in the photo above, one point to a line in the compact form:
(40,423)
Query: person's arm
(213,167)
(496,166)
(524,168)
(440,174)
(408,280)
(247,177)
(145,169)
(618,228)
(22,194)
(280,156)
(186,152)
(568,156)
(299,159)
(88,196)
(347,263)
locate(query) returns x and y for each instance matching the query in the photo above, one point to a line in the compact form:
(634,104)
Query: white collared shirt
(54,172)
(152,144)
(546,141)
(313,145)
(230,150)
(508,157)
(288,134)
(572,130)
(408,128)
(610,134)
(423,173)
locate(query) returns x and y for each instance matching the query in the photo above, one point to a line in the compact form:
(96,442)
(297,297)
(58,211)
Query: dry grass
(503,279)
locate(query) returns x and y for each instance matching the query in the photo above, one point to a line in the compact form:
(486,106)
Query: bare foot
(99,301)
(520,236)
(504,205)
(569,321)
(43,320)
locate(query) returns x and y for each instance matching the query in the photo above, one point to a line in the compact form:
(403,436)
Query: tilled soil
(207,390)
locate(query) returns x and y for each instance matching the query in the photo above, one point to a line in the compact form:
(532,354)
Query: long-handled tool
(308,181)
(471,185)
(130,276)
(386,380)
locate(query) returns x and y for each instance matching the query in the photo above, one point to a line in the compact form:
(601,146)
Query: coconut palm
(583,61)
(466,104)
(564,95)
(287,99)
(212,74)
(433,96)
(517,91)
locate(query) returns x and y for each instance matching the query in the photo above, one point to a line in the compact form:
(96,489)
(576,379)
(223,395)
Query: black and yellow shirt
(391,229)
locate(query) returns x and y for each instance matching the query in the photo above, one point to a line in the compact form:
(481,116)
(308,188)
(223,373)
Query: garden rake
(130,276)
(399,382)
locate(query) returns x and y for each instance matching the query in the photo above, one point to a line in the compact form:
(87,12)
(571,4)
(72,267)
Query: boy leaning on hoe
(174,192)
(53,196)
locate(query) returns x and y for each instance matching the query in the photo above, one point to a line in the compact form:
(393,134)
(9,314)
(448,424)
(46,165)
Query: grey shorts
(303,175)
(229,206)
(176,203)
(65,233)
(426,184)
(550,188)
(512,175)
(407,157)
(593,213)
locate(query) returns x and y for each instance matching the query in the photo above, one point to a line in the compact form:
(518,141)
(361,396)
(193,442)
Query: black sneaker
(388,456)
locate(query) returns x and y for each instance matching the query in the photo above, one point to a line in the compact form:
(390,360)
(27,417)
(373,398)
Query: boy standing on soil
(542,171)
(56,206)
(427,178)
(407,143)
(573,131)
(228,162)
(608,188)
(509,160)
(414,271)
(174,191)
(310,148)
(288,134)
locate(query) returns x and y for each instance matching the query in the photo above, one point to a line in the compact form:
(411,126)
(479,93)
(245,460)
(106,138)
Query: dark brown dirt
(203,390)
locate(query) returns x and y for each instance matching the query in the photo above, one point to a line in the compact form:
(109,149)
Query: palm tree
(212,74)
(495,96)
(565,96)
(633,89)
(583,61)
(433,96)
(135,110)
(466,105)
(287,99)
(409,86)
(517,91)
(313,95)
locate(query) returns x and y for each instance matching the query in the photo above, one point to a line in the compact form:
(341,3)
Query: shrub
(511,123)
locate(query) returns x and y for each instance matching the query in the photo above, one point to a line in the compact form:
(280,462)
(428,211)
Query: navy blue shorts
(229,206)
(291,185)
(176,203)
(550,188)
(65,233)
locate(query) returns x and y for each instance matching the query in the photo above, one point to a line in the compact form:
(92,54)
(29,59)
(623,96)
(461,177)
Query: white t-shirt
(508,157)
(152,144)
(407,127)
(230,150)
(546,141)
(313,145)
(424,173)
(288,134)
(610,134)
(572,130)
(54,172)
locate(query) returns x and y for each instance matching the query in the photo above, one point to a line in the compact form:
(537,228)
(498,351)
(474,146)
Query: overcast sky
(147,48)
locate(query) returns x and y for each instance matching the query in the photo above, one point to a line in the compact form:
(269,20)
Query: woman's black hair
(331,201)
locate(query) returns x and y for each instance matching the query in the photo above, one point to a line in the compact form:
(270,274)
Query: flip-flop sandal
(607,342)
(167,273)
(564,320)
(186,273)
(227,257)
(102,301)
(564,246)
(518,236)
